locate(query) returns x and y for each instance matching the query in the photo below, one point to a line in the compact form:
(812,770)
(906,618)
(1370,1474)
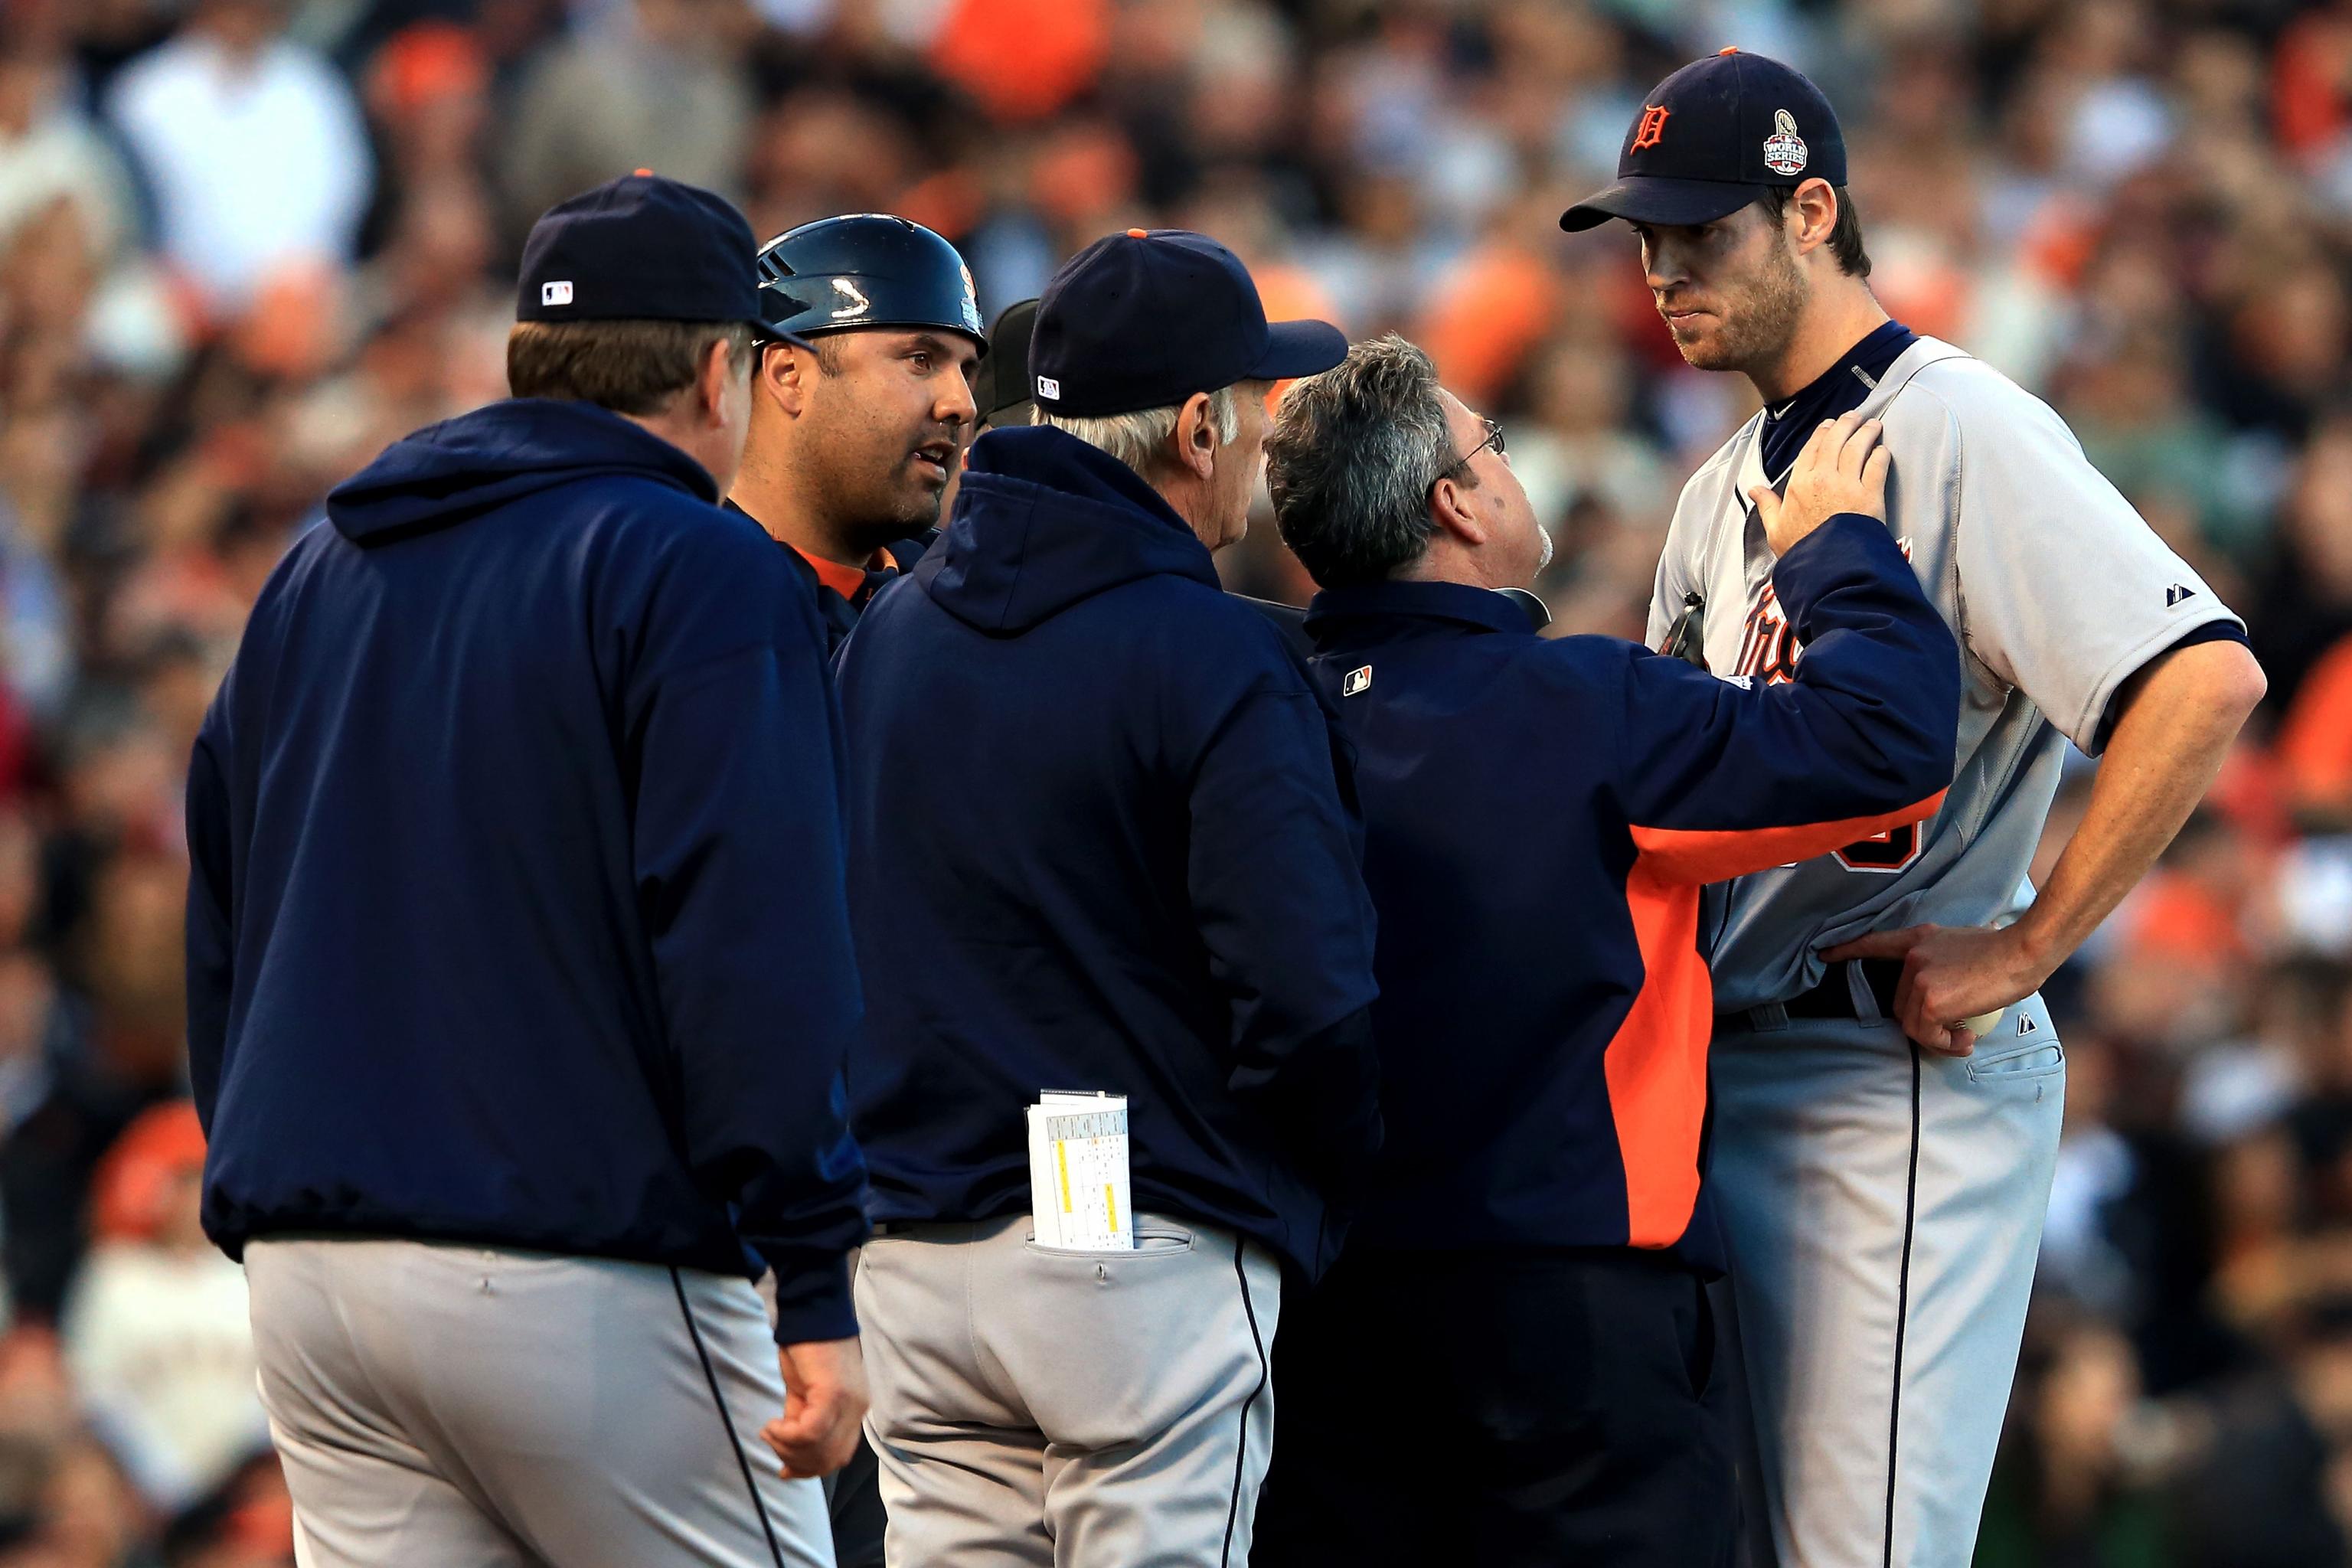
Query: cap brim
(1001,382)
(1298,348)
(764,333)
(1648,198)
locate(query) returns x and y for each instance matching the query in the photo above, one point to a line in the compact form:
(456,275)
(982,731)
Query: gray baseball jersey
(2057,590)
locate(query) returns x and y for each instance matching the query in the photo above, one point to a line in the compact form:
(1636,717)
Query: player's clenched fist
(1842,468)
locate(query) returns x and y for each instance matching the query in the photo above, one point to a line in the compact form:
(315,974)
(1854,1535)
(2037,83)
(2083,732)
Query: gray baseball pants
(442,1404)
(1884,1208)
(1035,1408)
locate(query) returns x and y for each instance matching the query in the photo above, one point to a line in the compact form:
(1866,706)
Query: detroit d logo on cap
(1784,150)
(1653,126)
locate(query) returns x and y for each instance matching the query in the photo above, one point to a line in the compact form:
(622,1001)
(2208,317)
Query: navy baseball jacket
(1100,797)
(1540,817)
(517,912)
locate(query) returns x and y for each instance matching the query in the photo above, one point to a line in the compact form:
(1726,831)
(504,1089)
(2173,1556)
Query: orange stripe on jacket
(1697,855)
(1655,1065)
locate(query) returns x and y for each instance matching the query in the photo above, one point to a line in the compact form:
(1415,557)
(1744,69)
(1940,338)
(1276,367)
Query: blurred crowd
(244,243)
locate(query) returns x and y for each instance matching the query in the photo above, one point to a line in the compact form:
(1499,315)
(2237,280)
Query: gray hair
(1352,459)
(1140,439)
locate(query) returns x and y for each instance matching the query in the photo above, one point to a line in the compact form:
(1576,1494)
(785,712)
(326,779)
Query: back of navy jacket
(1540,817)
(517,912)
(1099,797)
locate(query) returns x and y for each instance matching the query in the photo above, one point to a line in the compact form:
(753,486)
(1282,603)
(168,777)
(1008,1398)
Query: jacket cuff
(812,1300)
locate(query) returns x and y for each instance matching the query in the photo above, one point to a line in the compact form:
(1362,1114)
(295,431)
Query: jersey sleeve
(2065,590)
(1719,778)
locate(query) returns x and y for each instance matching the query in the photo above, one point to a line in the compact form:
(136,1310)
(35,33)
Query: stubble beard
(882,504)
(916,508)
(1757,331)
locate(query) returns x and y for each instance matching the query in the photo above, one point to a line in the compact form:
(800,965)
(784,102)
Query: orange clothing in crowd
(1491,309)
(2308,79)
(1022,59)
(2314,744)
(2178,921)
(133,1183)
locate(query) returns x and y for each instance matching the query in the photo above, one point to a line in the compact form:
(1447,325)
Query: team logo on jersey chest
(1769,651)
(1769,647)
(1768,643)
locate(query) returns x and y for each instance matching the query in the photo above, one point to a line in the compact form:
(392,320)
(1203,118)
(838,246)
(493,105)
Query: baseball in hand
(1983,1024)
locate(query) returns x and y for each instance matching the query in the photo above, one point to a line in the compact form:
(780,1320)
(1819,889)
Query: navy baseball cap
(1146,318)
(1713,134)
(640,248)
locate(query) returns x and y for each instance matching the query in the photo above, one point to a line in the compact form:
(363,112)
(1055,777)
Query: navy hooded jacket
(1101,797)
(1540,817)
(517,912)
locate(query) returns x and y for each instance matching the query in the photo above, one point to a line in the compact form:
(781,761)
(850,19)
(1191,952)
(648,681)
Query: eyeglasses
(1493,438)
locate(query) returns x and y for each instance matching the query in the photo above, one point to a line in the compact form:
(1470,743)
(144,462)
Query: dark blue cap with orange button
(1146,318)
(1711,137)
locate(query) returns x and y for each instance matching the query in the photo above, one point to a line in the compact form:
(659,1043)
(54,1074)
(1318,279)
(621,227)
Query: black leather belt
(1833,998)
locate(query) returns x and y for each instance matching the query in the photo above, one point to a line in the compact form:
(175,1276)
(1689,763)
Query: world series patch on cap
(1713,135)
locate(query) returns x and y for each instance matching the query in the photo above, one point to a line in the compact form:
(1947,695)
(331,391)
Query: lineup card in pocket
(1078,1194)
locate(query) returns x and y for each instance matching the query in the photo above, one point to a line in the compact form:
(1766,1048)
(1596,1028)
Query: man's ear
(711,383)
(782,372)
(1452,511)
(1196,437)
(1814,211)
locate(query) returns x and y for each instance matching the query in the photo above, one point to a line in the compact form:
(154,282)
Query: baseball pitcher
(1887,1080)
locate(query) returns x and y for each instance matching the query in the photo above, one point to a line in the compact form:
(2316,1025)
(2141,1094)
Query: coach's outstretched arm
(1723,778)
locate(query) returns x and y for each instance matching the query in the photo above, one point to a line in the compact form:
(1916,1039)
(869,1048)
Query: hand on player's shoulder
(1843,468)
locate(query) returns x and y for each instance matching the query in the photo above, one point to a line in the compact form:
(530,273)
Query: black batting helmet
(868,269)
